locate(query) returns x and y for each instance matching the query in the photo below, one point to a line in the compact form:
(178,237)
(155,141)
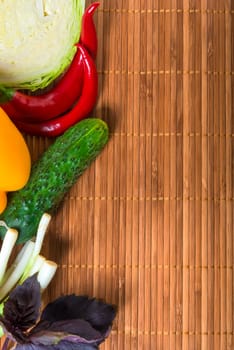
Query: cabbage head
(37,40)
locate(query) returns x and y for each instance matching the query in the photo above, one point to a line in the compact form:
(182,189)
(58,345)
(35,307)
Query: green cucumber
(53,175)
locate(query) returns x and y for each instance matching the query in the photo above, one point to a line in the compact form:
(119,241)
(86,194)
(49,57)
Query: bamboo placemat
(149,226)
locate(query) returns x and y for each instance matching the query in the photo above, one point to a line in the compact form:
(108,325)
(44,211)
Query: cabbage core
(37,40)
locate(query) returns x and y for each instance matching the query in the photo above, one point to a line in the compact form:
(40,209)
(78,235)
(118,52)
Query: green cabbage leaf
(37,40)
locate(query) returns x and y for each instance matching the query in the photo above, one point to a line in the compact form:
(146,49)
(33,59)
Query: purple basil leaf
(77,327)
(78,331)
(99,314)
(21,310)
(63,345)
(73,319)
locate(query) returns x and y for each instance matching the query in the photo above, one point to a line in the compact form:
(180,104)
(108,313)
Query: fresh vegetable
(46,109)
(69,322)
(15,160)
(6,249)
(45,106)
(88,36)
(37,40)
(53,175)
(26,262)
(84,106)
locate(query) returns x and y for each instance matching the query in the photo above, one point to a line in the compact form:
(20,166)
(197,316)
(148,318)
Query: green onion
(27,262)
(17,271)
(6,250)
(41,231)
(46,273)
(37,265)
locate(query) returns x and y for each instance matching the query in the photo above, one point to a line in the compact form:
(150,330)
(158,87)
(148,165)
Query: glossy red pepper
(84,106)
(88,36)
(51,104)
(11,111)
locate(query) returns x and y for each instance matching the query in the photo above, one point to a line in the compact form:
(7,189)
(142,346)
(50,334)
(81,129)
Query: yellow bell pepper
(15,160)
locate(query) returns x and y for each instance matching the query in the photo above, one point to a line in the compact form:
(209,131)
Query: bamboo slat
(149,226)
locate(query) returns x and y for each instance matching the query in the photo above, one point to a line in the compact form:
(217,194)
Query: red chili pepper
(88,36)
(51,104)
(84,106)
(11,111)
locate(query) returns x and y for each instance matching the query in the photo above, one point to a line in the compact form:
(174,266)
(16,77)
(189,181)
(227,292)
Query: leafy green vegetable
(70,322)
(37,40)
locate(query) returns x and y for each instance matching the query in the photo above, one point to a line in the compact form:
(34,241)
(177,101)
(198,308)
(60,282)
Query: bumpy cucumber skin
(53,175)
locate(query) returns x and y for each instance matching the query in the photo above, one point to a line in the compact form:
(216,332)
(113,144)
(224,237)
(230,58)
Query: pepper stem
(6,94)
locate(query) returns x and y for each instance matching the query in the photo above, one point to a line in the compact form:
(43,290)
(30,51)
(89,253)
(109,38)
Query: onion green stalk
(46,273)
(17,271)
(43,225)
(6,250)
(37,265)
(27,262)
(15,263)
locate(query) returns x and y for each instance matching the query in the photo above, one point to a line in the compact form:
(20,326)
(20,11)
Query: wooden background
(149,226)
